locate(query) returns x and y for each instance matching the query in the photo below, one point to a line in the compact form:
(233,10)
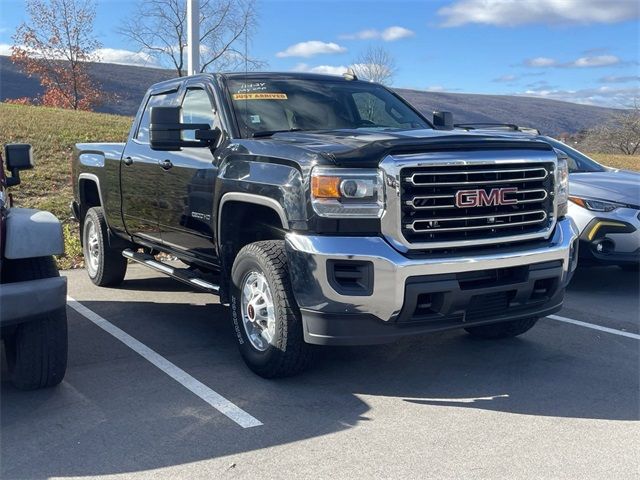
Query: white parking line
(594,327)
(213,398)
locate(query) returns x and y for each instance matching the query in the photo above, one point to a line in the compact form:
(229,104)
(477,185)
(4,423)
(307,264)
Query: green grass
(53,132)
(625,162)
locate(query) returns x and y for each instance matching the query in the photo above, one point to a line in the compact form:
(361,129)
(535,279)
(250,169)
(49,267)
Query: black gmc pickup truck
(326,210)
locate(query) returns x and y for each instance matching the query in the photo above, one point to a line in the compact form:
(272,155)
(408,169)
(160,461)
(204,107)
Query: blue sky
(584,51)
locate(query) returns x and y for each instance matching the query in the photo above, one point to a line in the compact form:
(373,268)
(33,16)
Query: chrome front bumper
(308,256)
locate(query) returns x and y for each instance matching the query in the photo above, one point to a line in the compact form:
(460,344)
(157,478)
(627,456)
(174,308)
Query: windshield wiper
(268,133)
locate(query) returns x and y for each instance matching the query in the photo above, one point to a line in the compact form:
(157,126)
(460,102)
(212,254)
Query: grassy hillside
(52,132)
(126,84)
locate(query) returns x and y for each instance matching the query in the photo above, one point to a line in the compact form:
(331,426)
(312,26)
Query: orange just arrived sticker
(260,96)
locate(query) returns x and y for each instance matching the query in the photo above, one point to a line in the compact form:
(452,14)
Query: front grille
(430,214)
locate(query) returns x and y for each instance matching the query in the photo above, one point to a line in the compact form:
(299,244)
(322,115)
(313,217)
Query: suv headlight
(346,192)
(562,185)
(595,205)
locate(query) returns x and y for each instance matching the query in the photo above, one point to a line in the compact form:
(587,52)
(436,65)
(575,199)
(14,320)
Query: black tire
(503,329)
(111,265)
(37,349)
(287,354)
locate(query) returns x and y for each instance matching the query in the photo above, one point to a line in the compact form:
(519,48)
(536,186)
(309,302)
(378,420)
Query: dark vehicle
(33,296)
(326,210)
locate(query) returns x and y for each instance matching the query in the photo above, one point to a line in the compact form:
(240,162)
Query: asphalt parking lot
(562,401)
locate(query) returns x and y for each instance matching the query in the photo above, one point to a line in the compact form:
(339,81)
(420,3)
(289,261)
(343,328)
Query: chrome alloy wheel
(258,313)
(91,246)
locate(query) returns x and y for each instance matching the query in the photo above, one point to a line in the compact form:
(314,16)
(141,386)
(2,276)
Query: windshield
(270,105)
(578,162)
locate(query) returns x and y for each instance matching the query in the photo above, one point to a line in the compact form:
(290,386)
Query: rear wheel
(509,329)
(105,266)
(37,349)
(266,318)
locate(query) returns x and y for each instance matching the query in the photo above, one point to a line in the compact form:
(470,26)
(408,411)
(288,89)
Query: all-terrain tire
(110,267)
(287,354)
(36,349)
(509,329)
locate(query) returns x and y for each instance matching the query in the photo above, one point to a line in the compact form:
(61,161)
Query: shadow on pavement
(116,413)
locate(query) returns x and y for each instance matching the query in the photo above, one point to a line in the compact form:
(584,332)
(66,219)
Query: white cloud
(324,69)
(390,34)
(540,62)
(593,61)
(311,48)
(518,12)
(396,33)
(124,57)
(620,79)
(108,55)
(506,78)
(435,88)
(604,96)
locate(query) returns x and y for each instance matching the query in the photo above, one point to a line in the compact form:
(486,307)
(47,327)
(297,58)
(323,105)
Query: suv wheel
(106,266)
(509,329)
(266,318)
(36,349)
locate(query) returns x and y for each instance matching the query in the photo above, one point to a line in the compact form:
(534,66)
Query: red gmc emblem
(481,198)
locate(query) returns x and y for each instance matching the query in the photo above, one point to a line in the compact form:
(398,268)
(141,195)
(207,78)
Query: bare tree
(159,28)
(620,134)
(55,46)
(376,65)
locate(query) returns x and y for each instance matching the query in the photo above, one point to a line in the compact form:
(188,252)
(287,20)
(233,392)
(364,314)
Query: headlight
(562,185)
(342,192)
(595,205)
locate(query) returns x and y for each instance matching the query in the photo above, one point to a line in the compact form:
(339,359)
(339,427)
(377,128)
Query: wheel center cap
(251,312)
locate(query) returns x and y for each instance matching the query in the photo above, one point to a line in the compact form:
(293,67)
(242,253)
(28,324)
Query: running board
(183,275)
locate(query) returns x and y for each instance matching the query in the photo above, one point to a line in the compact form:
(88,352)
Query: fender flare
(256,200)
(32,233)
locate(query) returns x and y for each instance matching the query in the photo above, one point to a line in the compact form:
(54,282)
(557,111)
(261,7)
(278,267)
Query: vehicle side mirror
(18,156)
(443,120)
(165,130)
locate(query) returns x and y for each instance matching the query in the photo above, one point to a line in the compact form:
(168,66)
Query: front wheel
(266,318)
(509,329)
(106,266)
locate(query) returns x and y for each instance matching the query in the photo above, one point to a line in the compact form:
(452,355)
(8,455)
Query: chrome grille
(428,202)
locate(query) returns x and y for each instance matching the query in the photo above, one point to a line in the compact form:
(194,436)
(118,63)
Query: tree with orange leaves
(55,46)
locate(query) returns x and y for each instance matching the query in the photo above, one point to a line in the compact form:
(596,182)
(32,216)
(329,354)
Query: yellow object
(260,96)
(325,187)
(602,223)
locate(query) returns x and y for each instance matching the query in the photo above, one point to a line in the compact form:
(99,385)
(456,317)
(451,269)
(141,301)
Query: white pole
(193,37)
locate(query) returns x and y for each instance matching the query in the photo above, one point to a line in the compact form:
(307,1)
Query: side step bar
(183,275)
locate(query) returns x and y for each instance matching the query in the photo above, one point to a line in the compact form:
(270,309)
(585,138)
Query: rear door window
(165,99)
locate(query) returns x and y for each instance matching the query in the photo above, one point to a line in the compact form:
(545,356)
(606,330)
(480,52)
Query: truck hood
(367,147)
(614,185)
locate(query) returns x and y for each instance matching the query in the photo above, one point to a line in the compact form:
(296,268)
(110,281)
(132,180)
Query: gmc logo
(480,197)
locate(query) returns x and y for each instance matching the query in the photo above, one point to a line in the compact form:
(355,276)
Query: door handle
(128,160)
(166,164)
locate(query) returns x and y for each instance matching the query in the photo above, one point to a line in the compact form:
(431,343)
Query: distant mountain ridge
(128,84)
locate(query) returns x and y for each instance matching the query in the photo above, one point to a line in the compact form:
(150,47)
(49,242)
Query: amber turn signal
(325,187)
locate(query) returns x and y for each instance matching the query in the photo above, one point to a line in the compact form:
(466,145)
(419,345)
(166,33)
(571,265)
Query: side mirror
(443,120)
(165,130)
(18,156)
